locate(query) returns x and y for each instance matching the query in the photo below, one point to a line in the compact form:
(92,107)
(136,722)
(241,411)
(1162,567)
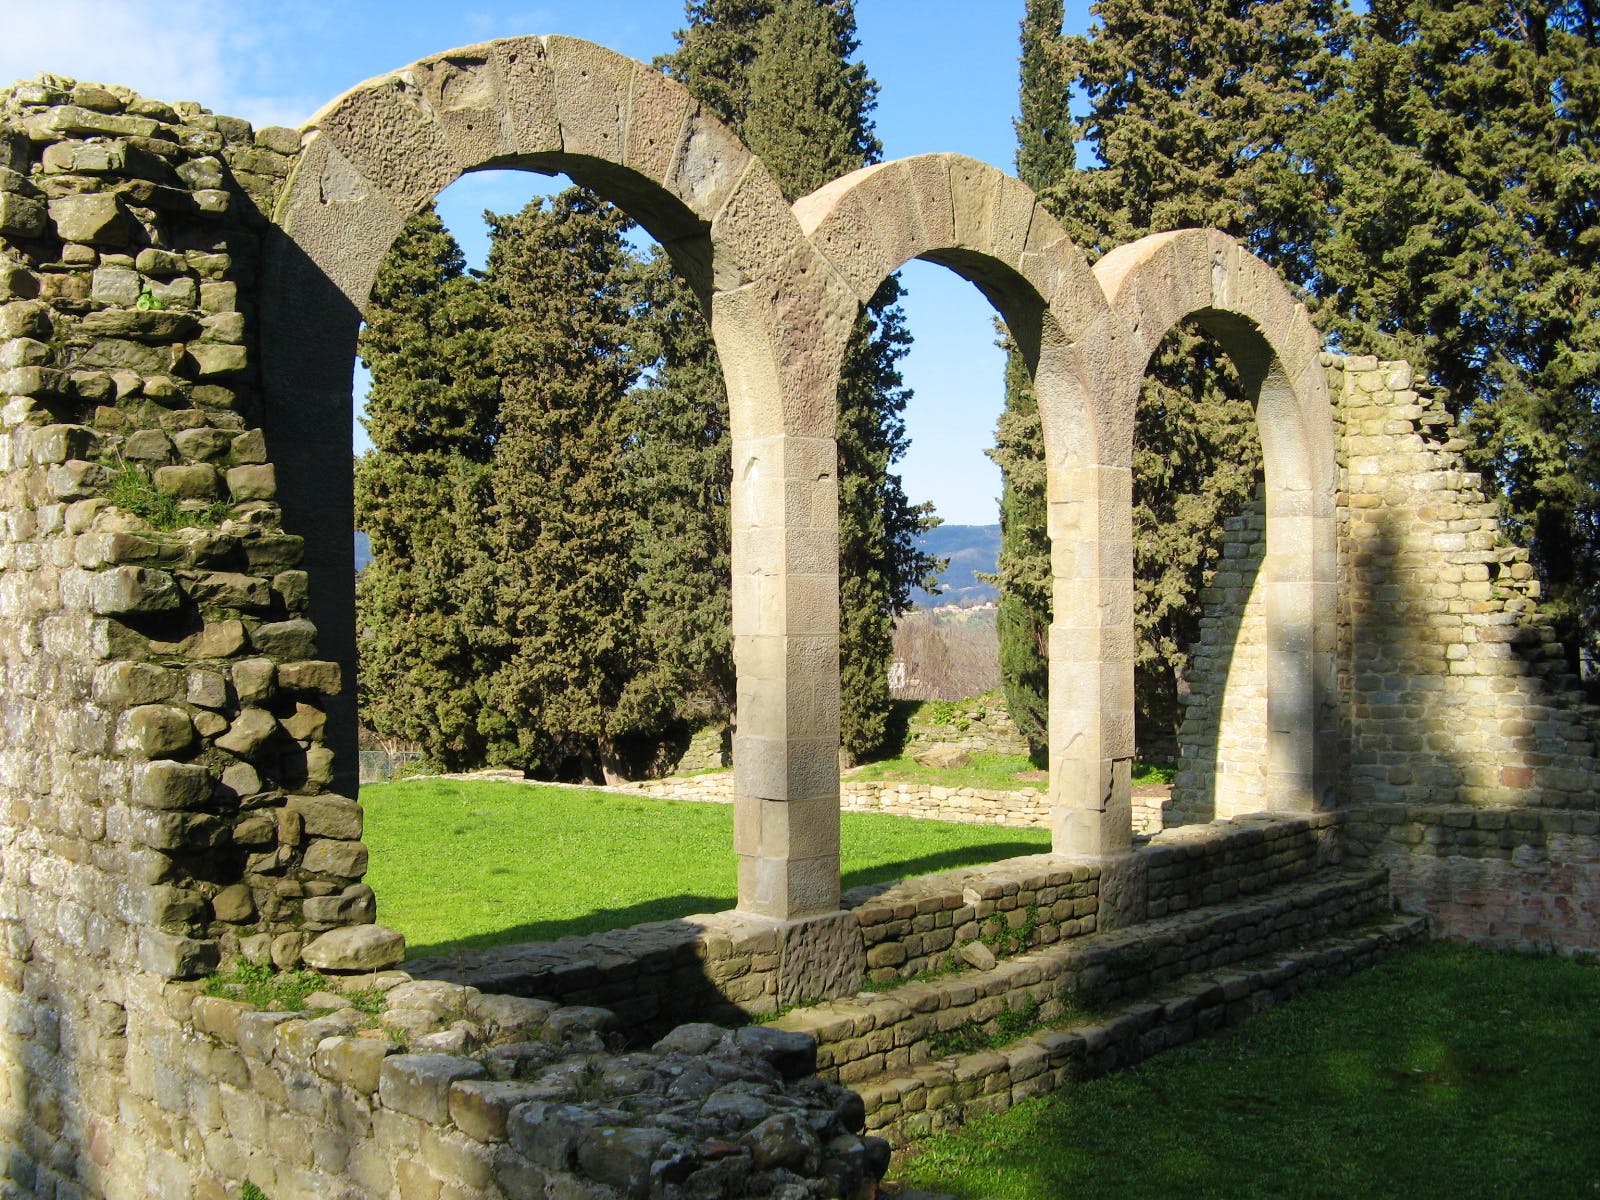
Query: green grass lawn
(1447,1072)
(458,864)
(1000,772)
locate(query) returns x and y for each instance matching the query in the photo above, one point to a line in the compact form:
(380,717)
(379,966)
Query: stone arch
(1209,277)
(989,228)
(376,154)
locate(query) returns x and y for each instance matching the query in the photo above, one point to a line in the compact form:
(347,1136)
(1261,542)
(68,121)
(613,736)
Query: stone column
(1091,660)
(785,605)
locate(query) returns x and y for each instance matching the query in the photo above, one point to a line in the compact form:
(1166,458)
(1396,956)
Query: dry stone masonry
(1377,715)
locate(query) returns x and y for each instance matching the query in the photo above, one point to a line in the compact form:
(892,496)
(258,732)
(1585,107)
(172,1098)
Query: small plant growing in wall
(251,1192)
(133,491)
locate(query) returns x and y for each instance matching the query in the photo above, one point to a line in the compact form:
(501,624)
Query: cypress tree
(679,468)
(1458,168)
(563,527)
(426,642)
(1023,574)
(780,73)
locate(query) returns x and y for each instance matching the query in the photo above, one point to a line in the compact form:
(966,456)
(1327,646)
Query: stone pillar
(785,610)
(1091,660)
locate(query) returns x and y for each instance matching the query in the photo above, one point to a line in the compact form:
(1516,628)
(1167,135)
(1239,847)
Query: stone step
(911,1103)
(860,1037)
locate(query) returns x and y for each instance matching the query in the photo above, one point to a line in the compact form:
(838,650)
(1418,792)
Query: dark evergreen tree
(427,641)
(563,526)
(679,468)
(1458,169)
(781,74)
(1023,573)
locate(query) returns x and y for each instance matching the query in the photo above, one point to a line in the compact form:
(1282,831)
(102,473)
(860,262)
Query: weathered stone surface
(219,639)
(419,1084)
(248,732)
(356,1062)
(124,590)
(328,816)
(188,481)
(327,856)
(156,730)
(172,785)
(255,680)
(253,482)
(97,218)
(234,904)
(176,957)
(286,640)
(357,948)
(943,757)
(311,676)
(978,956)
(356,905)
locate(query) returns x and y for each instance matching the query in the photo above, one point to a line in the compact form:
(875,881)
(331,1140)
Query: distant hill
(970,549)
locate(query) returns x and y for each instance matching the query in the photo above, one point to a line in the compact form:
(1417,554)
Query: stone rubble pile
(465,1093)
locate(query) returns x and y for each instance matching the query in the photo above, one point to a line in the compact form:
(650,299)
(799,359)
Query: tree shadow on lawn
(672,908)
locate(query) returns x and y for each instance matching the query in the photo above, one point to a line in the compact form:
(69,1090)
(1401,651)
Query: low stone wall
(863,1037)
(949,1092)
(728,965)
(1517,878)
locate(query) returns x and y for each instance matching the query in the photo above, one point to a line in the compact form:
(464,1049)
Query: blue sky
(946,68)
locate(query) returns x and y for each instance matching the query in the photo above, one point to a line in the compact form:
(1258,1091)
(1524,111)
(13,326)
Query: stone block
(95,218)
(219,639)
(156,730)
(254,482)
(171,786)
(249,731)
(419,1085)
(481,1108)
(621,1157)
(254,680)
(188,481)
(312,675)
(20,216)
(124,684)
(357,948)
(356,1062)
(288,641)
(326,856)
(356,905)
(327,816)
(126,590)
(234,904)
(176,957)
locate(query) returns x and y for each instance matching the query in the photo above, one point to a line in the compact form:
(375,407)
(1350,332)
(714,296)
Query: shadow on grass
(672,908)
(946,860)
(601,920)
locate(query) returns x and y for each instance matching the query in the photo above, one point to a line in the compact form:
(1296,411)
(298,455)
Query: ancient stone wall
(163,777)
(1470,763)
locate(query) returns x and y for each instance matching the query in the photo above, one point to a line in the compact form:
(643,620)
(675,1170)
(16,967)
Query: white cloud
(208,51)
(164,50)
